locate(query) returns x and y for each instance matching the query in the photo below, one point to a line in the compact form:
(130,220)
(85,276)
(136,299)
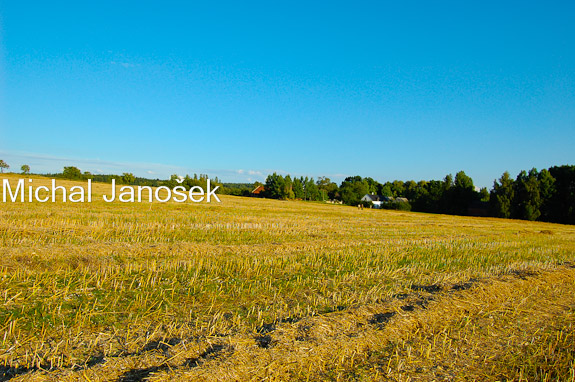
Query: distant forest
(546,195)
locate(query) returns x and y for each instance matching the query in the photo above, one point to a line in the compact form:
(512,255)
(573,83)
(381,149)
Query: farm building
(376,200)
(258,191)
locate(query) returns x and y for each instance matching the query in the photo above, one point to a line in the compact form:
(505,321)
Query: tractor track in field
(340,333)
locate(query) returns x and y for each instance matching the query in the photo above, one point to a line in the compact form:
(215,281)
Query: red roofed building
(258,191)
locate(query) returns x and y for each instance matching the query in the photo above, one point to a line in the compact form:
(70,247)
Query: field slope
(254,289)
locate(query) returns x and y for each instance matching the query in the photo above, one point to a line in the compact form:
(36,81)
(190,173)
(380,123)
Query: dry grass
(254,289)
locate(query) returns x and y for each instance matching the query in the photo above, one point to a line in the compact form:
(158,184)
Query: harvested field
(254,289)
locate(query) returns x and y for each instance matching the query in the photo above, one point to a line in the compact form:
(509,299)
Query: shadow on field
(268,335)
(380,319)
(163,346)
(9,372)
(137,375)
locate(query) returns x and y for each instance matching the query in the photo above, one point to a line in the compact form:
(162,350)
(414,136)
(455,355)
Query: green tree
(484,194)
(188,182)
(352,189)
(386,189)
(420,196)
(447,182)
(462,194)
(72,172)
(117,178)
(446,191)
(410,190)
(25,169)
(463,181)
(297,187)
(435,189)
(429,197)
(527,199)
(128,178)
(547,192)
(274,187)
(374,187)
(3,165)
(327,188)
(397,188)
(501,197)
(310,189)
(288,188)
(562,205)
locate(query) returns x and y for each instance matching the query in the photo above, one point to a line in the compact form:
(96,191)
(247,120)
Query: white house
(376,200)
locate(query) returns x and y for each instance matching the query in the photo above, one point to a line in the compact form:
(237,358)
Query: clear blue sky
(392,90)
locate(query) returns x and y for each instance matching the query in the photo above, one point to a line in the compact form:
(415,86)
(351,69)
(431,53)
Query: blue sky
(392,90)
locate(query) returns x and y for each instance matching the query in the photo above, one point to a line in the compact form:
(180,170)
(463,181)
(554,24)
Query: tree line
(447,196)
(546,195)
(74,173)
(186,181)
(303,188)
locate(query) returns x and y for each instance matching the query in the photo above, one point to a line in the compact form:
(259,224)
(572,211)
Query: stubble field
(255,289)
